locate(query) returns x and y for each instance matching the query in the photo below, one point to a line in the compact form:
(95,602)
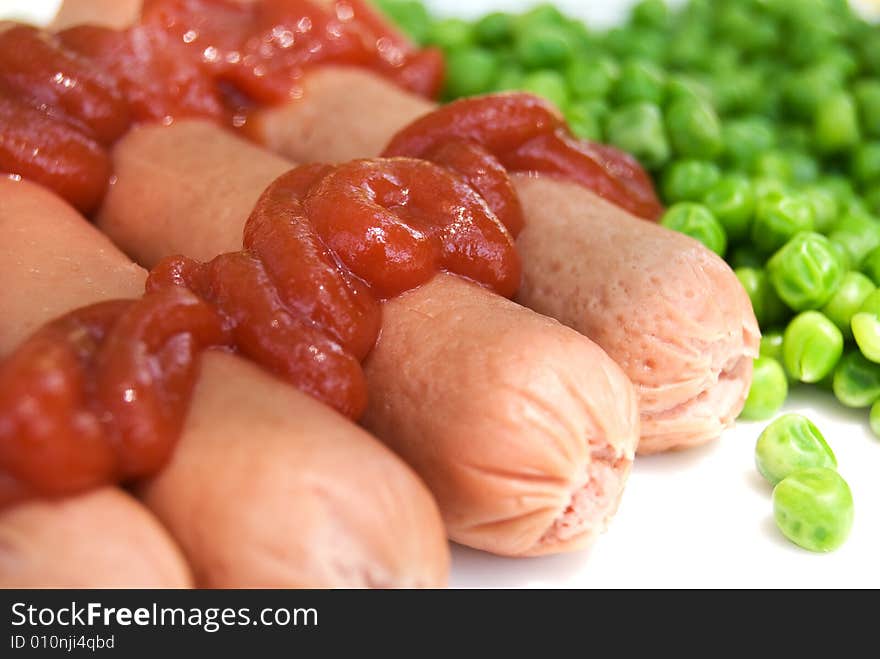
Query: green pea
(778,219)
(745,256)
(681,85)
(744,139)
(732,201)
(773,164)
(591,77)
(871,266)
(866,163)
(875,418)
(549,84)
(856,380)
(493,28)
(543,14)
(814,509)
(510,78)
(770,188)
(543,46)
(867,95)
(792,442)
(847,300)
(652,13)
(824,206)
(639,82)
(803,91)
(836,124)
(694,129)
(859,234)
(771,344)
(636,42)
(638,129)
(585,121)
(840,187)
(866,327)
(696,221)
(769,309)
(450,34)
(689,180)
(768,390)
(811,346)
(470,71)
(411,16)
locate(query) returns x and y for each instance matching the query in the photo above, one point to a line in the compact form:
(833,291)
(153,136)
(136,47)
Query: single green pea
(591,77)
(871,266)
(543,46)
(768,390)
(745,256)
(836,123)
(639,82)
(856,380)
(689,180)
(790,443)
(545,13)
(840,187)
(470,71)
(867,95)
(771,344)
(773,164)
(874,418)
(680,85)
(410,15)
(768,308)
(744,139)
(585,121)
(778,219)
(770,188)
(814,508)
(866,327)
(803,91)
(494,28)
(847,300)
(696,221)
(811,346)
(636,42)
(858,233)
(824,205)
(638,129)
(688,44)
(738,91)
(652,13)
(732,201)
(548,84)
(510,78)
(694,129)
(450,34)
(865,166)
(806,271)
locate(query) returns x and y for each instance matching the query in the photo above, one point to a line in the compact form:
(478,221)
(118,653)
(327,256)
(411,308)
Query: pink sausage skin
(669,311)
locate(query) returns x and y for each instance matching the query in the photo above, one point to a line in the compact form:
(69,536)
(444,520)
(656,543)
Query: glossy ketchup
(101,394)
(65,98)
(525,134)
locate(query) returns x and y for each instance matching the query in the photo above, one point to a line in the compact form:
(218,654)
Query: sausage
(542,385)
(318,501)
(690,359)
(199,172)
(109,13)
(667,309)
(524,430)
(101,539)
(104,538)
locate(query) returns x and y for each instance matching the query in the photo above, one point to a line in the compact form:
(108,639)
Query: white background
(701,518)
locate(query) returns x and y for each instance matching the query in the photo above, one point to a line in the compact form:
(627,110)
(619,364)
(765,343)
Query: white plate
(702,518)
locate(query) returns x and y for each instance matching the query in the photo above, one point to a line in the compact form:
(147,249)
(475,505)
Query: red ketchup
(100,395)
(65,98)
(525,134)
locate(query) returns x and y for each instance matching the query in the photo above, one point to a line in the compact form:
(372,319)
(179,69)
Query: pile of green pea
(760,122)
